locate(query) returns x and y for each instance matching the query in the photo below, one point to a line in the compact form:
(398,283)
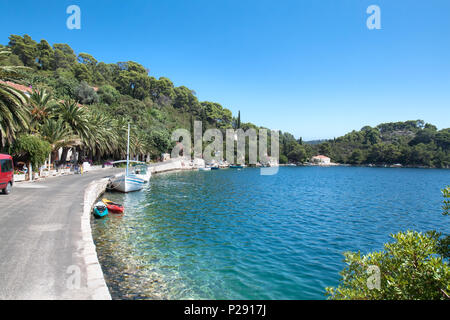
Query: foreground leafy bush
(446,206)
(413,267)
(410,268)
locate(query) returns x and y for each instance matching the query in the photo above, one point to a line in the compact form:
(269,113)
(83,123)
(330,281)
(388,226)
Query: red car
(6,173)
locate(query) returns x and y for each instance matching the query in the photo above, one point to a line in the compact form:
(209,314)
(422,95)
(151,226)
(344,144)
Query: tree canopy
(413,143)
(81,91)
(128,91)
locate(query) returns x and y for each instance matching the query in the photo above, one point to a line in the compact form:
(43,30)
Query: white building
(320,159)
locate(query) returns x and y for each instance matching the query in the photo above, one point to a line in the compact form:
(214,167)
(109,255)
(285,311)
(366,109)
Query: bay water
(237,234)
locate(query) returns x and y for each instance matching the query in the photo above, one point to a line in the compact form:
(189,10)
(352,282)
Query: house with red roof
(19,87)
(27,90)
(320,159)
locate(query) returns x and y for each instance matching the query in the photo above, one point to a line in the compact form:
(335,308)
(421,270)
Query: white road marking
(29,186)
(47,227)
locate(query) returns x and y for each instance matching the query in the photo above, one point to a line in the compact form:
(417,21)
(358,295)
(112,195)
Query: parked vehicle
(6,173)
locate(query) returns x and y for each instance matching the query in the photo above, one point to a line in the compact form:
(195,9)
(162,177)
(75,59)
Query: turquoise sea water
(235,234)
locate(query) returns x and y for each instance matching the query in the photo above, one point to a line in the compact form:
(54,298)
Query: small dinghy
(113,207)
(100,210)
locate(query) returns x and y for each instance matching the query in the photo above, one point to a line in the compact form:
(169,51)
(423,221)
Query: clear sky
(309,67)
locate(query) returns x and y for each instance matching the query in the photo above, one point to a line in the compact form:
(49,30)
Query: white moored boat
(128,182)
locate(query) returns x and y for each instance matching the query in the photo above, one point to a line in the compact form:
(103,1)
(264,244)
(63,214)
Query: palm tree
(139,145)
(58,134)
(119,127)
(14,114)
(103,138)
(76,118)
(40,107)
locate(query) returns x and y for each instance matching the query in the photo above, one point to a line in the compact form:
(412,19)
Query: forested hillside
(412,143)
(105,96)
(79,102)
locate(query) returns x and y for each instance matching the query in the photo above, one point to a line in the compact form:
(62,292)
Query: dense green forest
(88,103)
(410,143)
(79,102)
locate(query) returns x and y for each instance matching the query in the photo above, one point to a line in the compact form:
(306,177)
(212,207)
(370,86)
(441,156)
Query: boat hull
(127,183)
(113,207)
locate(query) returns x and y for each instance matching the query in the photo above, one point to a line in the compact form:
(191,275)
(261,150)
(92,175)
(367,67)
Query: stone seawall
(177,165)
(94,274)
(95,279)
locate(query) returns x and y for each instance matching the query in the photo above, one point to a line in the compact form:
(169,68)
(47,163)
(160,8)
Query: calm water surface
(234,234)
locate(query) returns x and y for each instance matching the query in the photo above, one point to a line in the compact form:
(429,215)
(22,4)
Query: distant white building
(320,159)
(270,162)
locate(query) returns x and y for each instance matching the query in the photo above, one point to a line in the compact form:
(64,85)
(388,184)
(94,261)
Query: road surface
(40,236)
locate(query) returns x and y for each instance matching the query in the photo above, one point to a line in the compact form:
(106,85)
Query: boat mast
(128,150)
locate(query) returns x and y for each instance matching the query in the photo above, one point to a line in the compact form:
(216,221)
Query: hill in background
(126,91)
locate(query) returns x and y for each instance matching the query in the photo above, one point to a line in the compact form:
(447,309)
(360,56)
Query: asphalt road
(40,236)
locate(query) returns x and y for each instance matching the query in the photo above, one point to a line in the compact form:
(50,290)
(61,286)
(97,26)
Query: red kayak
(113,207)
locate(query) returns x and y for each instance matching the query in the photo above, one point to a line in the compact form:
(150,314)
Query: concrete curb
(94,275)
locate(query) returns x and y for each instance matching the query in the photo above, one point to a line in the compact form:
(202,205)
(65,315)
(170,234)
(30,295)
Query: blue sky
(309,67)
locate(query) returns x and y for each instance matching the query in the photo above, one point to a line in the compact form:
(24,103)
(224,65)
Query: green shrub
(410,268)
(283,159)
(446,206)
(32,148)
(108,94)
(86,94)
